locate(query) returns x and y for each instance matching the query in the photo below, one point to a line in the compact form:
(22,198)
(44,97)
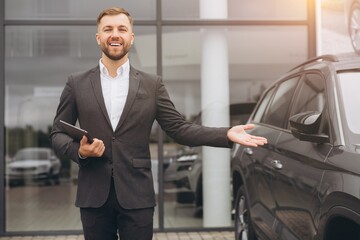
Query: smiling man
(118,104)
(114,36)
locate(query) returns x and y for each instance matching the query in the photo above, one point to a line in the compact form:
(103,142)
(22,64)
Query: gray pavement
(223,235)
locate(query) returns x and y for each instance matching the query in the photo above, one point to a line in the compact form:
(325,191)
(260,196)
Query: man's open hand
(237,134)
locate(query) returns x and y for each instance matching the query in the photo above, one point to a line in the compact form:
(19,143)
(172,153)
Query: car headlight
(43,168)
(187,158)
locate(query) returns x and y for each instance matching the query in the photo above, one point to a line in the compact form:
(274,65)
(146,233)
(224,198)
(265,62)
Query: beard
(117,55)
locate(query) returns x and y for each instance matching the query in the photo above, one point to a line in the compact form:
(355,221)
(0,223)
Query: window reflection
(74,9)
(347,87)
(40,186)
(39,59)
(34,164)
(278,109)
(252,66)
(240,9)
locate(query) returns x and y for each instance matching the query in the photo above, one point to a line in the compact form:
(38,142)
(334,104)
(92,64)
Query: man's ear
(97,38)
(133,38)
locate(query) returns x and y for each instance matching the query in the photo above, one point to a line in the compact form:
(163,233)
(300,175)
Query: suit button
(113,138)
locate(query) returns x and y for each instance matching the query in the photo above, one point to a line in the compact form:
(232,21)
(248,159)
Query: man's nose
(115,34)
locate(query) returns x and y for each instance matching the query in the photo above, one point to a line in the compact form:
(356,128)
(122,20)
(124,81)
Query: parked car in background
(33,165)
(186,171)
(352,19)
(305,183)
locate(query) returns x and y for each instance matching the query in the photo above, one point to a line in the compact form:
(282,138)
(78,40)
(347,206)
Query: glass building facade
(43,41)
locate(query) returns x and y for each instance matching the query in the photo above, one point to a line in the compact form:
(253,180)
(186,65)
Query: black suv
(305,183)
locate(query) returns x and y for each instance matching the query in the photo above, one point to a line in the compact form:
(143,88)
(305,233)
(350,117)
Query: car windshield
(31,155)
(349,83)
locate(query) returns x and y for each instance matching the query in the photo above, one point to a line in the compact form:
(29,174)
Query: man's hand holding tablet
(75,132)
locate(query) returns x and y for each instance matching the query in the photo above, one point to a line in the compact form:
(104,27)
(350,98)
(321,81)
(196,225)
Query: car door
(298,166)
(269,119)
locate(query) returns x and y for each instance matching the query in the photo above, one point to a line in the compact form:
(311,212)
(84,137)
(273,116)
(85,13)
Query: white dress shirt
(115,91)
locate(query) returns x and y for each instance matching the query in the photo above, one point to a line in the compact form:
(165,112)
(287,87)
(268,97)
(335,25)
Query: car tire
(49,178)
(185,197)
(199,193)
(56,179)
(354,27)
(243,225)
(16,183)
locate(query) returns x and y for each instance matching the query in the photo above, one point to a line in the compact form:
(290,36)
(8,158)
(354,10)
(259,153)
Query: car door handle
(249,151)
(276,164)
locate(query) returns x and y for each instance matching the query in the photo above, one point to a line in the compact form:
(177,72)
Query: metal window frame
(2,117)
(310,23)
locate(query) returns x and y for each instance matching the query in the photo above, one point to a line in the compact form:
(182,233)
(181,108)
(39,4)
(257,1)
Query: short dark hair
(112,12)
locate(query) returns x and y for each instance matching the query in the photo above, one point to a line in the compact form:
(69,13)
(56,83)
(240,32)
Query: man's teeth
(115,44)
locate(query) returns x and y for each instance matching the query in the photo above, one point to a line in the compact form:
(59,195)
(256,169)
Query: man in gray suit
(118,104)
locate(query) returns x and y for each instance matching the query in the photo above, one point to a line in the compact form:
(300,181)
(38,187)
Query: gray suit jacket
(127,151)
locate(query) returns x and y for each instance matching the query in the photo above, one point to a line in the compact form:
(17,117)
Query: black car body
(305,183)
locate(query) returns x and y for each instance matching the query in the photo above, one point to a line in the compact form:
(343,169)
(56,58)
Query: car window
(278,109)
(240,112)
(310,95)
(262,106)
(31,155)
(349,85)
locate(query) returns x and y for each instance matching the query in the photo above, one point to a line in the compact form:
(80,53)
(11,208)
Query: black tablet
(75,132)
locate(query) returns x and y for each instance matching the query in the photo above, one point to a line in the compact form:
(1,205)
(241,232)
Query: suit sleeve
(182,131)
(62,143)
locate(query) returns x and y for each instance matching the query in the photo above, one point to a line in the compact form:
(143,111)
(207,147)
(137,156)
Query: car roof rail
(328,57)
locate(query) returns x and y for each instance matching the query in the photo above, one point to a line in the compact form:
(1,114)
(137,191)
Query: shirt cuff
(81,157)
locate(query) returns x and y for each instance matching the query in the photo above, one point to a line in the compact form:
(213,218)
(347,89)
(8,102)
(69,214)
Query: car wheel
(354,27)
(56,179)
(49,178)
(199,193)
(185,197)
(243,226)
(15,183)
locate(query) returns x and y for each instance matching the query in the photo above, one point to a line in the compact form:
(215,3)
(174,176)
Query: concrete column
(215,113)
(318,28)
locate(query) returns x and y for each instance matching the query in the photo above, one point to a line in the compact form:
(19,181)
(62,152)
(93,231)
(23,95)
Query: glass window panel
(339,27)
(279,107)
(37,63)
(240,9)
(348,84)
(263,105)
(311,94)
(74,9)
(257,55)
(268,10)
(253,61)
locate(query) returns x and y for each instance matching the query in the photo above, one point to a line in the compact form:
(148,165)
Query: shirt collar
(123,69)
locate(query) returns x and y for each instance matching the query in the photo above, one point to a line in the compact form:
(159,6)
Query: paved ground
(228,235)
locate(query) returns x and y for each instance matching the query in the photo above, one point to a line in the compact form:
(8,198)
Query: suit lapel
(134,82)
(96,84)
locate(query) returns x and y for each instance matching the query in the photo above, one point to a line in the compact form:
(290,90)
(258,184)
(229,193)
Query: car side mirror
(305,126)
